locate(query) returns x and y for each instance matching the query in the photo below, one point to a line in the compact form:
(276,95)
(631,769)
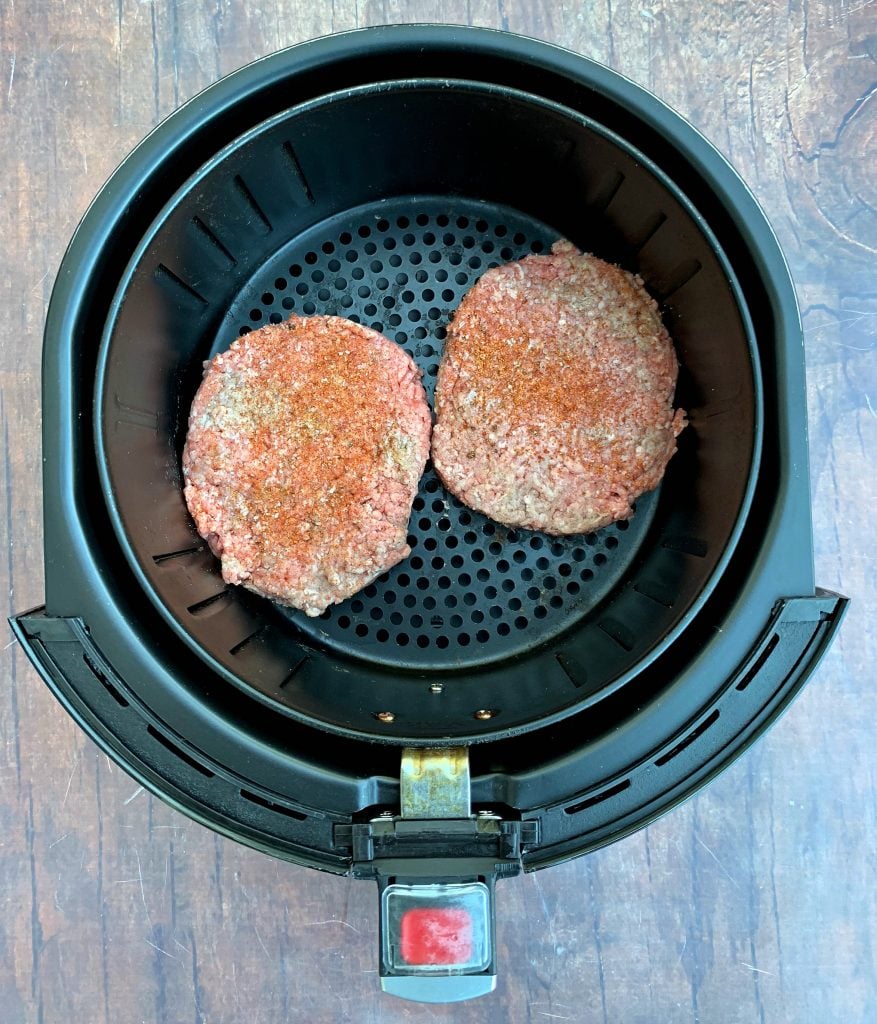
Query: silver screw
(436,687)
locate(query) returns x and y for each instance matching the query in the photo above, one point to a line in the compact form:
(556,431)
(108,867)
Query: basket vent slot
(177,752)
(598,798)
(677,278)
(572,670)
(648,232)
(293,672)
(617,632)
(244,192)
(609,191)
(166,276)
(213,240)
(298,173)
(254,798)
(699,730)
(168,555)
(654,592)
(201,607)
(247,640)
(687,545)
(759,662)
(101,677)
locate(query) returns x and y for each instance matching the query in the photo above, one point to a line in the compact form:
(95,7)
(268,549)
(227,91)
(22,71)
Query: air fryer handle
(436,880)
(437,936)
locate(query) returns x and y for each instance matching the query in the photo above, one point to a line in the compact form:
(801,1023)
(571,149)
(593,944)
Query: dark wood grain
(753,902)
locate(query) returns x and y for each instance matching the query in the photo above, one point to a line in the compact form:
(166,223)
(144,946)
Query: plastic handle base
(454,989)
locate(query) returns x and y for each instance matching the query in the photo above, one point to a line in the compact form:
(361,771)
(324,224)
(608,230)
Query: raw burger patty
(306,443)
(554,400)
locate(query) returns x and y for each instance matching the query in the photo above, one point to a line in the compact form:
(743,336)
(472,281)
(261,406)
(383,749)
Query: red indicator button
(436,935)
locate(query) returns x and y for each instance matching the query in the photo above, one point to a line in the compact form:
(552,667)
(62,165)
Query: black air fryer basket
(502,699)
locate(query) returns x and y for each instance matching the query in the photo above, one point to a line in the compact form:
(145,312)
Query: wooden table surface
(755,901)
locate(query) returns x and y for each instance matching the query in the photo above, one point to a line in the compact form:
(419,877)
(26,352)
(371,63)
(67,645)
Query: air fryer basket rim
(94,232)
(328,100)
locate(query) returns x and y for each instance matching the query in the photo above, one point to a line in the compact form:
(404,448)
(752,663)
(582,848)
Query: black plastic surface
(288,764)
(533,627)
(297,815)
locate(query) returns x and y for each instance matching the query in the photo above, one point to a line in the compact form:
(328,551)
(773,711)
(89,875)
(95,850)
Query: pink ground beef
(554,400)
(306,443)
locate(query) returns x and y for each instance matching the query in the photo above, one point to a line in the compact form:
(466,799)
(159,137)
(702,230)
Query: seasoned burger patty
(306,443)
(554,399)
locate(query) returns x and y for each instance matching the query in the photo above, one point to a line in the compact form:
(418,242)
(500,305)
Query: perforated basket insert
(472,589)
(518,627)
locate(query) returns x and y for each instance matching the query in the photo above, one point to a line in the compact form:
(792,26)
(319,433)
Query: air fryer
(503,699)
